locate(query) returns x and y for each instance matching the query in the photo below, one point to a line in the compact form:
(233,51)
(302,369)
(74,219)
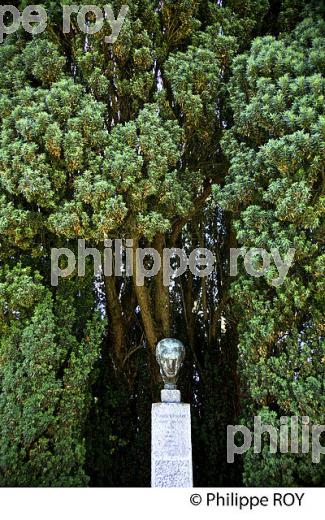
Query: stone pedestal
(171,447)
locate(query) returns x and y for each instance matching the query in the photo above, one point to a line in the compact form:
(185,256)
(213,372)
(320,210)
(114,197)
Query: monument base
(170,396)
(171,447)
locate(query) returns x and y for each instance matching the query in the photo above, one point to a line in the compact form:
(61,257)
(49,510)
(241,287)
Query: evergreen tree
(130,140)
(275,189)
(44,377)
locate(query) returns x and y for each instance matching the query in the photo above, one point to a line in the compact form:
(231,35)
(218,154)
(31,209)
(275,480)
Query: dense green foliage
(201,126)
(275,188)
(44,376)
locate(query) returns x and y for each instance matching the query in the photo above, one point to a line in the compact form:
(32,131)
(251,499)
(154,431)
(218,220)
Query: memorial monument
(171,446)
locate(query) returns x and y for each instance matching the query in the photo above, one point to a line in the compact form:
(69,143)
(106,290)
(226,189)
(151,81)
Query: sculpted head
(170,354)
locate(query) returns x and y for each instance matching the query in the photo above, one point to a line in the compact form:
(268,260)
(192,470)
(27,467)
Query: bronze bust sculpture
(170,354)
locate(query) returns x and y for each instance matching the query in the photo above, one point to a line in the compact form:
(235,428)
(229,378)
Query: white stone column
(171,447)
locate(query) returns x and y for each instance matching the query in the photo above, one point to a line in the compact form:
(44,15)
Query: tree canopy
(202,125)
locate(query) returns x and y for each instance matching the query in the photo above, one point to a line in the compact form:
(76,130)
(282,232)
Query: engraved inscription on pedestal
(178,473)
(171,445)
